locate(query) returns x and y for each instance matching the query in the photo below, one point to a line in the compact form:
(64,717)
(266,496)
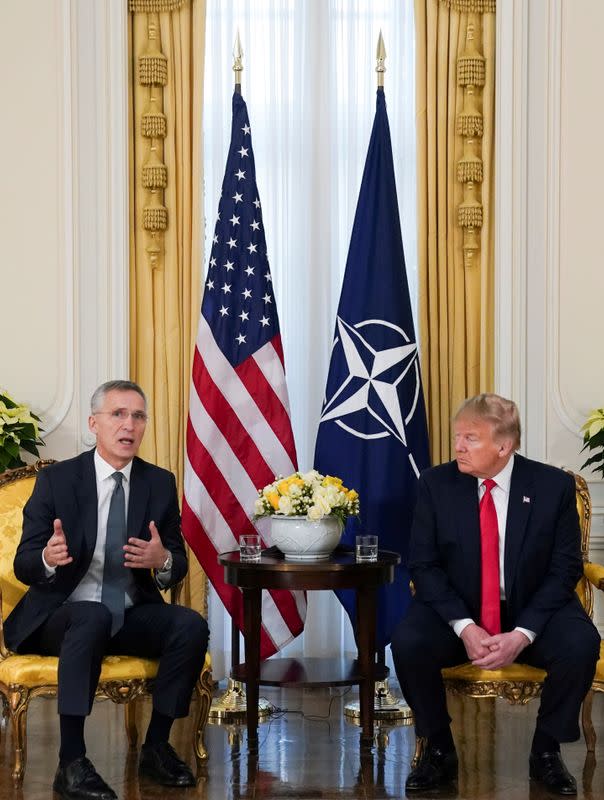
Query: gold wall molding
(154,6)
(471,69)
(472,6)
(153,73)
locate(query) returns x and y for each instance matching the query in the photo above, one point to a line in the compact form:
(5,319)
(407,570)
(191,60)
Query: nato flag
(372,432)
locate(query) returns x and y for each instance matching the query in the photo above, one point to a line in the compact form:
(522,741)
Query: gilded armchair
(519,683)
(124,679)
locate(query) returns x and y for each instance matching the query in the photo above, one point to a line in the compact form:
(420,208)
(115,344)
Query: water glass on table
(366,547)
(249,547)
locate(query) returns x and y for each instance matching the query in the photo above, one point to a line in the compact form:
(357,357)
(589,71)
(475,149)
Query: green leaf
(594,460)
(12,448)
(30,447)
(8,402)
(27,431)
(597,440)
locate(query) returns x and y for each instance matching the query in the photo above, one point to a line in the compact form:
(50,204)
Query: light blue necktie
(115,575)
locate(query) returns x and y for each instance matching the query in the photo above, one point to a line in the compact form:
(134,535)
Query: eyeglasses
(122,414)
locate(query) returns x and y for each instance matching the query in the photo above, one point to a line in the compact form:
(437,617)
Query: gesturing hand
(503,649)
(141,554)
(56,553)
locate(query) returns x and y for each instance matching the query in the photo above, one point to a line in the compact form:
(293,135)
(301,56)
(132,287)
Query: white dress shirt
(501,496)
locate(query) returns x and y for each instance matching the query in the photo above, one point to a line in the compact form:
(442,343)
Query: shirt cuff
(50,571)
(530,635)
(459,625)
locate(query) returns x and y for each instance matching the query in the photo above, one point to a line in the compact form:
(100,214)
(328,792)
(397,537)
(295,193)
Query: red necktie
(490,608)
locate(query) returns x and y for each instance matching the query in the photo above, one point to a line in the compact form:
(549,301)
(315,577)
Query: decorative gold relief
(469,6)
(469,215)
(515,692)
(153,69)
(152,6)
(469,169)
(155,218)
(470,70)
(470,172)
(155,176)
(153,125)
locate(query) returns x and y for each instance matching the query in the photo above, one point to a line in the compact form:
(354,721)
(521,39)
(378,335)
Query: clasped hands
(492,652)
(138,553)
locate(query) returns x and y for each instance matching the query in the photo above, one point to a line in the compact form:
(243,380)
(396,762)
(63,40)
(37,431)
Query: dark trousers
(79,634)
(568,649)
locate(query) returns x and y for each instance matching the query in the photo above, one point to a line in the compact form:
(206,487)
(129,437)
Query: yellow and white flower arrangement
(593,439)
(19,430)
(307,494)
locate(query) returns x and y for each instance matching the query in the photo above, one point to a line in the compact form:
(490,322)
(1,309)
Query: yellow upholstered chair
(123,679)
(519,683)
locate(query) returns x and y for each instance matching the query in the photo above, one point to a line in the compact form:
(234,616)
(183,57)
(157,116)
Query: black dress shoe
(549,770)
(436,768)
(79,780)
(161,763)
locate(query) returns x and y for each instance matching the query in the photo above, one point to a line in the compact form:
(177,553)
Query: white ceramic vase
(300,539)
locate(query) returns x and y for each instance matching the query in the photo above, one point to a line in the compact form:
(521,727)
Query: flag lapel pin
(526,499)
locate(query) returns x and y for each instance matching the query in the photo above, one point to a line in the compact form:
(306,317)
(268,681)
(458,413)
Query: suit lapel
(137,503)
(522,496)
(469,527)
(87,502)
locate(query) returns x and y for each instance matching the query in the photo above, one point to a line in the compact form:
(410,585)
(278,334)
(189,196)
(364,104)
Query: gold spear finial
(381,57)
(237,63)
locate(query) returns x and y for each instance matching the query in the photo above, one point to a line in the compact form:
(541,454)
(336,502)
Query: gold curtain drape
(455,101)
(167,44)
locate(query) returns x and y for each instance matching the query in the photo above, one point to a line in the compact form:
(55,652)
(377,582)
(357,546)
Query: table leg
(366,611)
(252,614)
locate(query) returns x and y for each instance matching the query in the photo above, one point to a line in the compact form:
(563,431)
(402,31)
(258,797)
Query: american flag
(239,434)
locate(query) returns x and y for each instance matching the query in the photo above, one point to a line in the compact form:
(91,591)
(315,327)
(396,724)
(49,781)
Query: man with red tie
(495,557)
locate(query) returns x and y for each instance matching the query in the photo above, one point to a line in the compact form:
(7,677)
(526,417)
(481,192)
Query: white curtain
(309,82)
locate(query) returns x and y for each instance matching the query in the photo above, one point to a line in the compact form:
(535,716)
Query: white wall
(63,208)
(549,264)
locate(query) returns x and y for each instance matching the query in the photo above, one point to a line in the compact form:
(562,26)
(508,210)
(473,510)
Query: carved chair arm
(594,574)
(4,651)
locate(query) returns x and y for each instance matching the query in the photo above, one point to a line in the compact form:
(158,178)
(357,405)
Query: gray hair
(501,413)
(96,401)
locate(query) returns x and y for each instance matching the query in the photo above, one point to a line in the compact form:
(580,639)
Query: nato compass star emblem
(377,382)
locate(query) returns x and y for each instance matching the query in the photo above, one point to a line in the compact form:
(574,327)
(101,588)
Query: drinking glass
(366,547)
(249,547)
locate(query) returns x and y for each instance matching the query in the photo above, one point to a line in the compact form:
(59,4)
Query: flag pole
(387,707)
(238,62)
(231,706)
(381,57)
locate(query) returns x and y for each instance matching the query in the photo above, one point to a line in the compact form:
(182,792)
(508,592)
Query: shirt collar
(503,479)
(105,470)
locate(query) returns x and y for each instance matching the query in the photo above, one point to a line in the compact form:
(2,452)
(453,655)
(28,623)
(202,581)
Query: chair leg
(420,744)
(18,705)
(130,723)
(588,726)
(203,688)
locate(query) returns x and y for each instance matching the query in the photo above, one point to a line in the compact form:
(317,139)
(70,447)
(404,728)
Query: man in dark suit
(495,558)
(101,536)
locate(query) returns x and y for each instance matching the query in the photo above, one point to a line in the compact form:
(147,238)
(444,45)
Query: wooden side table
(340,571)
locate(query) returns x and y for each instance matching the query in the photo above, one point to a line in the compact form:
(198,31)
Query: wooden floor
(310,752)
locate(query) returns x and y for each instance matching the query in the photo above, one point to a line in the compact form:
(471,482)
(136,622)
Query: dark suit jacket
(67,490)
(542,561)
